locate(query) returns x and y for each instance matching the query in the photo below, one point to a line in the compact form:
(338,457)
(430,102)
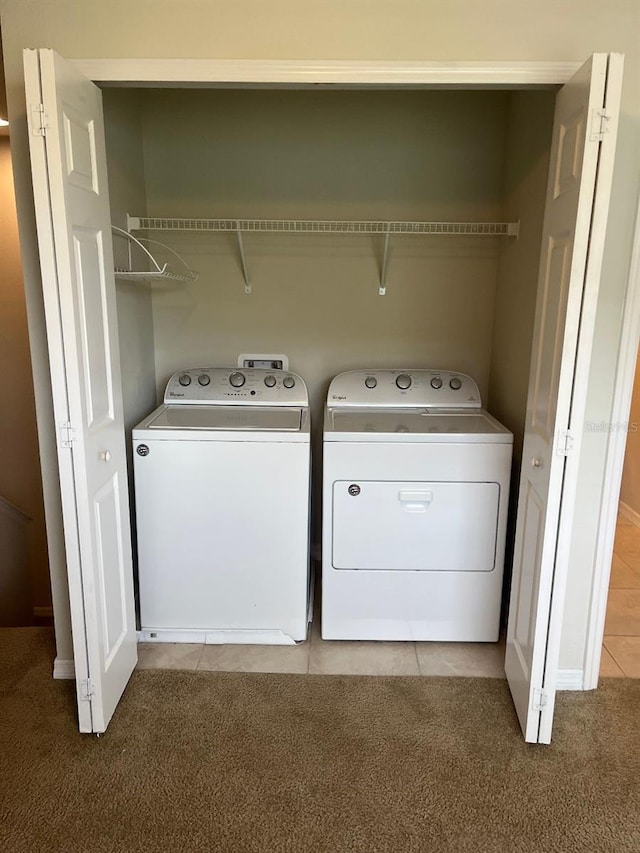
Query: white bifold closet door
(72,210)
(578,189)
(69,171)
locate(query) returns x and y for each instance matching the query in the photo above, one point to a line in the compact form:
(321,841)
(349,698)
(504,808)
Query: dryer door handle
(415,501)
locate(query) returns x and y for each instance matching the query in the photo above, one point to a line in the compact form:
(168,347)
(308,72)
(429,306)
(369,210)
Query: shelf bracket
(382,289)
(243,260)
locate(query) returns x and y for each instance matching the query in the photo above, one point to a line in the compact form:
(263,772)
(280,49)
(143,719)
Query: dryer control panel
(231,385)
(421,388)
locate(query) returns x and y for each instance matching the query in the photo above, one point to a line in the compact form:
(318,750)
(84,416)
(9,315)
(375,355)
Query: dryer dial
(237,380)
(403,381)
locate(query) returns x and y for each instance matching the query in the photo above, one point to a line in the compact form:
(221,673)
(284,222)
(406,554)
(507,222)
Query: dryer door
(415,526)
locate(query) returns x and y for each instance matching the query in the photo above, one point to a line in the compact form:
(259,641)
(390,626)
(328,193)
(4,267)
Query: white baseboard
(631,515)
(570,679)
(63,669)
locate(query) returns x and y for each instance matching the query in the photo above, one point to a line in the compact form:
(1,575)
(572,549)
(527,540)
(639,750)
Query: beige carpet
(198,761)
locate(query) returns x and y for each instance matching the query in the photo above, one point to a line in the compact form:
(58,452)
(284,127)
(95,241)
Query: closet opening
(462,302)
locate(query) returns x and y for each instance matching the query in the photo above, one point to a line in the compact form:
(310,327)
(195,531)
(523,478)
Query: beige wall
(20,482)
(327,155)
(348,29)
(530,125)
(630,492)
(127,194)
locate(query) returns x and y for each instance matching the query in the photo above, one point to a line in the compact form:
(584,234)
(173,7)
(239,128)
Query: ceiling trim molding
(138,72)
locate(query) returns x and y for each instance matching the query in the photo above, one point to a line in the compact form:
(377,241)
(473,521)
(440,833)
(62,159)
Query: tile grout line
(415,651)
(612,654)
(309,642)
(617,663)
(628,565)
(197,668)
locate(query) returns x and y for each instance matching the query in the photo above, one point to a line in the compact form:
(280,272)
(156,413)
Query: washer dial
(370,382)
(436,382)
(184,379)
(288,381)
(270,381)
(403,381)
(455,383)
(237,380)
(204,379)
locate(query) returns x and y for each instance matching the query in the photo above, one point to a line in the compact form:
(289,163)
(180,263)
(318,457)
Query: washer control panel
(422,388)
(230,385)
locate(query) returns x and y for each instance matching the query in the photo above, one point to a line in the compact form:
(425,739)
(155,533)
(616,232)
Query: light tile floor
(331,657)
(621,648)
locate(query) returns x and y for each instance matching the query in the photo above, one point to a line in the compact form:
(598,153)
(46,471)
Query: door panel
(549,350)
(91,307)
(571,138)
(113,566)
(80,150)
(528,578)
(70,190)
(567,293)
(415,526)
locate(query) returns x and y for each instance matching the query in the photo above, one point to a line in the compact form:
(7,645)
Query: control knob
(403,381)
(184,379)
(436,382)
(237,379)
(204,379)
(456,383)
(370,382)
(288,381)
(270,381)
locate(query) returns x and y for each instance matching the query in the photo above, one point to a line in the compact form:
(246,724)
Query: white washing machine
(415,492)
(222,484)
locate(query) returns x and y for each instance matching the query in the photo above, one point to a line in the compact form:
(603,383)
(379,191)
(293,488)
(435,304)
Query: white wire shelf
(152,275)
(384,229)
(156,271)
(320,226)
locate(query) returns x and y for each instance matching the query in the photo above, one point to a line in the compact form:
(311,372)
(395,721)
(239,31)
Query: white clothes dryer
(222,493)
(415,493)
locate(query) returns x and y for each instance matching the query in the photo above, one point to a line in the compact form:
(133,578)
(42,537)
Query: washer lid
(454,425)
(229,418)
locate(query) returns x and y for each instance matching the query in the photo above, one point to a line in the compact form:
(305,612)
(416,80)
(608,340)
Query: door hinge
(599,126)
(566,441)
(87,689)
(39,122)
(539,700)
(67,435)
